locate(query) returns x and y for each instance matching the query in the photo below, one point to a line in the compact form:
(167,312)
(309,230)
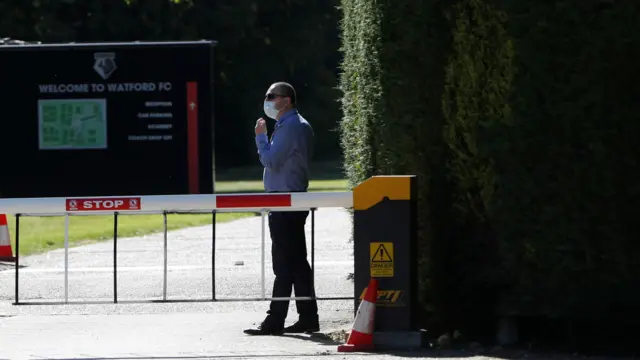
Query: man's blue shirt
(286,155)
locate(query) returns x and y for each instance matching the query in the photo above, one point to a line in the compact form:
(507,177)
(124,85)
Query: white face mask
(270,109)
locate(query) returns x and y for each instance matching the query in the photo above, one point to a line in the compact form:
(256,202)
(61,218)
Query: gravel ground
(140,262)
(140,277)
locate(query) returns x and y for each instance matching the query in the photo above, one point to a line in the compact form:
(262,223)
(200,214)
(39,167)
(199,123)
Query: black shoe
(266,328)
(302,326)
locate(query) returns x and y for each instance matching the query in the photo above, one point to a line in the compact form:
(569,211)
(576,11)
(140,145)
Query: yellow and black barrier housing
(385,245)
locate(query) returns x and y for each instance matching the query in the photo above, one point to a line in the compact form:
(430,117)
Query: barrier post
(385,241)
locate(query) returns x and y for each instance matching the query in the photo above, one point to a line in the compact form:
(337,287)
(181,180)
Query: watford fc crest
(105,64)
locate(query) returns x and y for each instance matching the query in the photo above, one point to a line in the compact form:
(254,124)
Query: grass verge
(245,186)
(43,234)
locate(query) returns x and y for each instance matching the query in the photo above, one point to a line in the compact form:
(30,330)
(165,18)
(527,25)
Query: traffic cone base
(361,336)
(5,241)
(354,348)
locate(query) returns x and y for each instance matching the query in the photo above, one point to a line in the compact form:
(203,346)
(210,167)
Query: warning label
(381,259)
(101,204)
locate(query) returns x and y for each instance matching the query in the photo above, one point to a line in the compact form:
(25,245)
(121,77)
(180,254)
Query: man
(285,157)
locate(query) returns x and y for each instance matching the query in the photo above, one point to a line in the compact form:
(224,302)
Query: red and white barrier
(5,241)
(158,204)
(361,336)
(177,203)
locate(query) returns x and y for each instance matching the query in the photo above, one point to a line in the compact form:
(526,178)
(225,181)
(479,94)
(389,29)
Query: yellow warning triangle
(381,255)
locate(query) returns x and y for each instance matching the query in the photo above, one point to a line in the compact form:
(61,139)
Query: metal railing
(178,204)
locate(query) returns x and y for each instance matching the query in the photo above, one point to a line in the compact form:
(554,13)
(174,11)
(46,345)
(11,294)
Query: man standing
(285,157)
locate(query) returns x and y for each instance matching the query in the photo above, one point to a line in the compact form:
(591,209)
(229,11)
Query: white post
(164,290)
(262,261)
(66,258)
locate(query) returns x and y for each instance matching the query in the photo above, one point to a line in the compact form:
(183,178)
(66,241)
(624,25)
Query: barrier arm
(384,240)
(173,204)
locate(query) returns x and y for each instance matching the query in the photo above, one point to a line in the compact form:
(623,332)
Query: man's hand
(261,126)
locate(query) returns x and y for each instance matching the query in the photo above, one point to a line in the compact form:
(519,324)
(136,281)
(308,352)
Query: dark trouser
(290,265)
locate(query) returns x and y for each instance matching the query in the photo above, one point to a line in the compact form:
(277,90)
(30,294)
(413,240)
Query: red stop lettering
(97,204)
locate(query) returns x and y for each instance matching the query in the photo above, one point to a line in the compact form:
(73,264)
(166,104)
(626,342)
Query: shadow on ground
(323,339)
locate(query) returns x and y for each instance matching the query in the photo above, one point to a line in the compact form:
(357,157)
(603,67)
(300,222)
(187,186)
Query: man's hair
(285,89)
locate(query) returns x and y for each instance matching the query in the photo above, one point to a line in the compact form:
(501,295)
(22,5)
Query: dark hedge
(520,119)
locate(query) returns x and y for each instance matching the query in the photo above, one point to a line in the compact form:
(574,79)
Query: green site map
(73,124)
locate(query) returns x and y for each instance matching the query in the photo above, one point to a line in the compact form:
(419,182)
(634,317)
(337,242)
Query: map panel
(72,124)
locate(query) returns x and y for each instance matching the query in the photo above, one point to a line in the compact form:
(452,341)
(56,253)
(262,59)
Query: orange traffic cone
(5,241)
(361,336)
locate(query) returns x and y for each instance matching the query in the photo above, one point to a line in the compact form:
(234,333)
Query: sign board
(381,255)
(107,119)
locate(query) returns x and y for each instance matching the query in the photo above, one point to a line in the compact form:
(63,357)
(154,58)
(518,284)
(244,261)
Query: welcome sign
(107,119)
